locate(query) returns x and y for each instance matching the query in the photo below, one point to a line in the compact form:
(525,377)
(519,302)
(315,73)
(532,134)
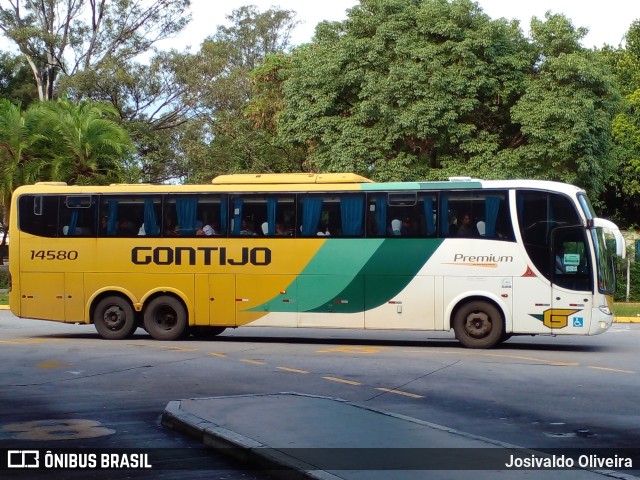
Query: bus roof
(288,178)
(299,182)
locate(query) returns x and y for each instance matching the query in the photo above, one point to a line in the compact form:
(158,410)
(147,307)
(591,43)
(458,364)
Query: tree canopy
(427,89)
(400,90)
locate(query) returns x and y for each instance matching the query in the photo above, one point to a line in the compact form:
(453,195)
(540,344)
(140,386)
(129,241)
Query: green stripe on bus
(334,280)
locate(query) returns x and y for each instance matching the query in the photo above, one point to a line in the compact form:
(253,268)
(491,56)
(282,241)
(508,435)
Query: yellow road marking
(293,370)
(253,362)
(52,364)
(27,341)
(66,429)
(612,369)
(221,355)
(400,392)
(532,359)
(342,380)
(502,355)
(167,347)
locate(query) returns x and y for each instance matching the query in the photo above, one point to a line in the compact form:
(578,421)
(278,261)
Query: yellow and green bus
(486,259)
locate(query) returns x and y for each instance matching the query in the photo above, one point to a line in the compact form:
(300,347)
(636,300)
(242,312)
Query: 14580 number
(54,254)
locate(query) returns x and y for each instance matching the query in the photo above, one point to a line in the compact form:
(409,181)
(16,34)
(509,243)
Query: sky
(606,20)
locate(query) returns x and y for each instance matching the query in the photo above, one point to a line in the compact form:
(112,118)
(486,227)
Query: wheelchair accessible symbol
(578,322)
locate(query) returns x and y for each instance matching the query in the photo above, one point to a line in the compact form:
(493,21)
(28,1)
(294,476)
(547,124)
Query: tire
(114,318)
(206,332)
(478,324)
(165,318)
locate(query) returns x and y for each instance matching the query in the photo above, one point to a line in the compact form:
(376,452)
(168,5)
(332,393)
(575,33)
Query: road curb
(241,448)
(627,320)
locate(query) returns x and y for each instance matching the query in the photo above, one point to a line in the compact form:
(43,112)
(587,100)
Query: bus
(486,259)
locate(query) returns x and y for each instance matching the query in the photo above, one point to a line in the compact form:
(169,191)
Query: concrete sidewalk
(292,435)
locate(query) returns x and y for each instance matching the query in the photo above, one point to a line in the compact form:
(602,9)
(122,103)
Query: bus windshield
(604,263)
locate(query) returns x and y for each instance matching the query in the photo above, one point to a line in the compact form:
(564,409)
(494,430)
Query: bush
(634,282)
(4,278)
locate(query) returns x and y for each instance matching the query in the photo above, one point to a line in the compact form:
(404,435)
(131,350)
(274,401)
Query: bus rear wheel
(114,318)
(478,324)
(165,318)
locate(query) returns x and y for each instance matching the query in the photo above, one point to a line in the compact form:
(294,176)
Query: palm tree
(85,143)
(19,135)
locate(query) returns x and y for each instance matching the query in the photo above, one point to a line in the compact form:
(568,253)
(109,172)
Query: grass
(4,299)
(622,309)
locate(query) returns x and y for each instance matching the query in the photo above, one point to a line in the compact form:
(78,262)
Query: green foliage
(77,143)
(20,135)
(634,282)
(431,88)
(226,136)
(16,79)
(84,143)
(4,281)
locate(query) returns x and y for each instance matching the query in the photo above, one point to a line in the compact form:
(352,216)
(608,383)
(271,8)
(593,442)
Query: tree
(222,137)
(16,80)
(407,89)
(622,197)
(64,37)
(76,143)
(19,135)
(566,110)
(85,145)
(151,102)
(404,88)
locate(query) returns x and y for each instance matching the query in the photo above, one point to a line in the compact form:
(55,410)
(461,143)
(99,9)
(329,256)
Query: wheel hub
(114,318)
(478,324)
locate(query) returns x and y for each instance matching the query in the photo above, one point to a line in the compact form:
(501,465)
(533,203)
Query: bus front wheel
(114,318)
(165,318)
(478,324)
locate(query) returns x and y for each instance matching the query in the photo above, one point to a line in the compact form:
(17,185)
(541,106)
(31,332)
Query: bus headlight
(605,309)
(603,325)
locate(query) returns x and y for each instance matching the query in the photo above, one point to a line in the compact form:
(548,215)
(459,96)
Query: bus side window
(78,216)
(38,214)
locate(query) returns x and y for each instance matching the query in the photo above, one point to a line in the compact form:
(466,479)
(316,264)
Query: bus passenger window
(78,216)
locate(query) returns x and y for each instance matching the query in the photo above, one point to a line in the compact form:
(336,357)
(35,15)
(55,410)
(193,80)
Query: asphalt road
(63,387)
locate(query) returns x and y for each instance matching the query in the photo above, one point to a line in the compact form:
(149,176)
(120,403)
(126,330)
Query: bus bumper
(601,320)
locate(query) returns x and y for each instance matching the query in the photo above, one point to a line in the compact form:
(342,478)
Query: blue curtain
(491,206)
(237,215)
(428,216)
(381,215)
(311,212)
(73,222)
(351,213)
(444,215)
(187,209)
(224,214)
(150,222)
(272,208)
(112,220)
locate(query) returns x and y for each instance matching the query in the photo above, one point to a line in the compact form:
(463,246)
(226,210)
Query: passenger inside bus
(465,229)
(170,227)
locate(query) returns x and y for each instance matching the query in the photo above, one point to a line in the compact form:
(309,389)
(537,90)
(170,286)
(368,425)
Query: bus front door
(571,282)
